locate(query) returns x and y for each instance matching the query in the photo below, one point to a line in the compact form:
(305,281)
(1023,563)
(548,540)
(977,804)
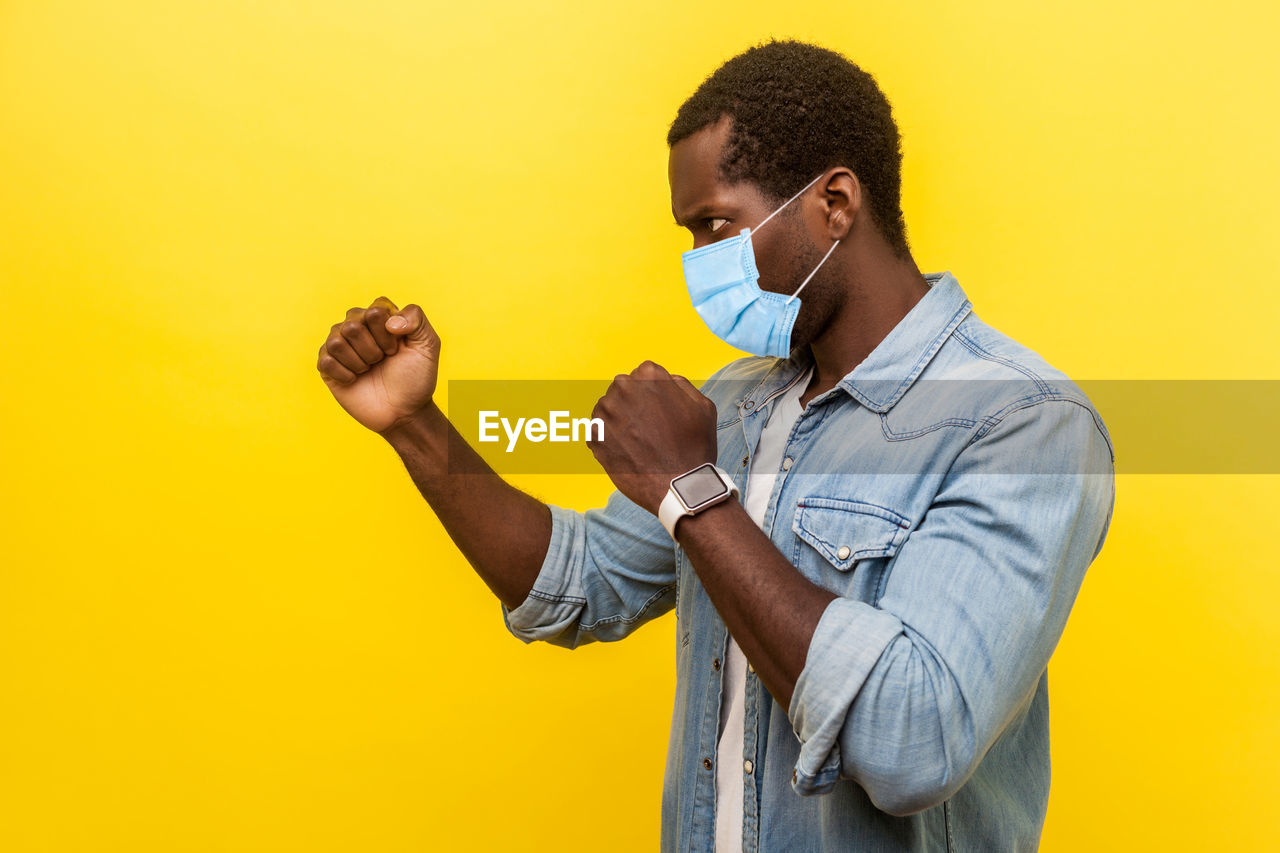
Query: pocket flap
(846,531)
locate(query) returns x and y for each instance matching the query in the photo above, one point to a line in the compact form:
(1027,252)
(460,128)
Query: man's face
(711,210)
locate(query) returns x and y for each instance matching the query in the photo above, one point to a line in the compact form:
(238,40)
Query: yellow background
(227,619)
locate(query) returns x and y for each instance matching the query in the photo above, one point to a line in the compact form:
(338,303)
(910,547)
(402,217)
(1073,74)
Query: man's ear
(842,197)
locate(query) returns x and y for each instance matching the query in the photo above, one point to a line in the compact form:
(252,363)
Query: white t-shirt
(731,772)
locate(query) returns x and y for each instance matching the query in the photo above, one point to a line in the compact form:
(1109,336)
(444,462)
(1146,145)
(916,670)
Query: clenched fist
(656,426)
(381,363)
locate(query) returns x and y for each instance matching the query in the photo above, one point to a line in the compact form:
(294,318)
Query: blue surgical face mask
(723,284)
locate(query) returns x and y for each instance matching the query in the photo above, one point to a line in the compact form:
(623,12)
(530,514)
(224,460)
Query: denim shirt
(951,490)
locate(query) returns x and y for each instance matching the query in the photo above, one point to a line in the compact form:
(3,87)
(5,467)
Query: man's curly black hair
(797,110)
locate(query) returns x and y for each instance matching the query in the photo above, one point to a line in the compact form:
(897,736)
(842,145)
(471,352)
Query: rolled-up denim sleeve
(906,697)
(607,571)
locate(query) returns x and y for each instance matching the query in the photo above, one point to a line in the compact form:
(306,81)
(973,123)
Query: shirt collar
(886,374)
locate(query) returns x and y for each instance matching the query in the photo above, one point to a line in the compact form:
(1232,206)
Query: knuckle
(333,345)
(351,329)
(330,367)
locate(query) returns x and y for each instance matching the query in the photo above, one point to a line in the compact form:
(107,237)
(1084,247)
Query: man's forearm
(769,607)
(503,532)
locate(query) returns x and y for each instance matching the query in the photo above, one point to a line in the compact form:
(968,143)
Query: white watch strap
(670,511)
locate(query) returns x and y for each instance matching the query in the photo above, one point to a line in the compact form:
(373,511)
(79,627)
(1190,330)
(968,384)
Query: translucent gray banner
(1156,426)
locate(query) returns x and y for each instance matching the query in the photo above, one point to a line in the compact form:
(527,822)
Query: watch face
(699,486)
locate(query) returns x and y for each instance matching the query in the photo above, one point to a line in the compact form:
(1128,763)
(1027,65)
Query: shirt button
(715,664)
(750,404)
(843,553)
(706,762)
(747,765)
(793,776)
(786,463)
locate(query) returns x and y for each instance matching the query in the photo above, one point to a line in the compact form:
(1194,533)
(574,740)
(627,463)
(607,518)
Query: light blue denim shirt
(951,490)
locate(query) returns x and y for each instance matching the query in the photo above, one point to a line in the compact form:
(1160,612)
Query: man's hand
(656,426)
(381,363)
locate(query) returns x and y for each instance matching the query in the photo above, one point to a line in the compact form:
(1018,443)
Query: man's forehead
(693,170)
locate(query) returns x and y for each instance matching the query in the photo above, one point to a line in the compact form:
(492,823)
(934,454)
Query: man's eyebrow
(697,212)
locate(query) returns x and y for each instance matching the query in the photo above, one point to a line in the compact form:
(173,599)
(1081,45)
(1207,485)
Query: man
(863,637)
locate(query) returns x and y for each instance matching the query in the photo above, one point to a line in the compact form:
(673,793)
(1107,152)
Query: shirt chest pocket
(845,545)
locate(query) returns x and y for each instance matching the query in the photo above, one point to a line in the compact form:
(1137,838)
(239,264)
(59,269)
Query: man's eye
(716,224)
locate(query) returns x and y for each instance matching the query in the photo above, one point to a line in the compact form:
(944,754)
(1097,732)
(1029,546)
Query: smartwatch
(694,491)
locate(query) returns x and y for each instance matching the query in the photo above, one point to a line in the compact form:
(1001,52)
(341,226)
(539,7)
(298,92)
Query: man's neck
(887,291)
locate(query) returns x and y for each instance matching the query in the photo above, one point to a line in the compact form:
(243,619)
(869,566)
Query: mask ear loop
(813,273)
(785,203)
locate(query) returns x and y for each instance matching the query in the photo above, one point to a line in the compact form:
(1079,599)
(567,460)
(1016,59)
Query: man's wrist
(716,514)
(423,427)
